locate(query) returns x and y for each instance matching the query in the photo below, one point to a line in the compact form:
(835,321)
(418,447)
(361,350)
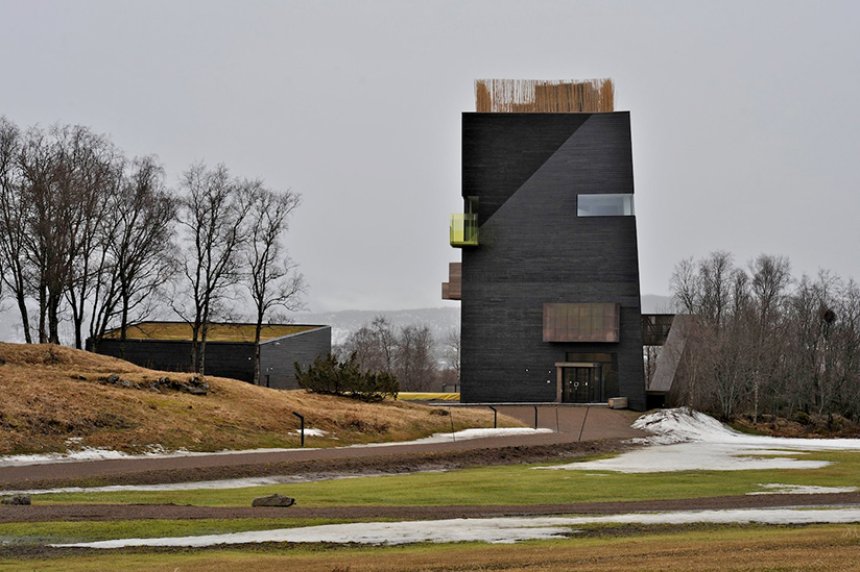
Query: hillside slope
(54,398)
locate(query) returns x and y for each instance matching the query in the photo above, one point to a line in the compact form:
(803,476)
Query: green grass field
(826,548)
(594,547)
(512,484)
(60,532)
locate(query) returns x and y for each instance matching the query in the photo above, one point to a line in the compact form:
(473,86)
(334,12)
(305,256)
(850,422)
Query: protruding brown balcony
(452,289)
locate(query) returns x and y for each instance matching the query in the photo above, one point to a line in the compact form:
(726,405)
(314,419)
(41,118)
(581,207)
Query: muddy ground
(136,512)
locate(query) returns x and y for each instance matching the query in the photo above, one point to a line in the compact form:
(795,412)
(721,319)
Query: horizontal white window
(604,205)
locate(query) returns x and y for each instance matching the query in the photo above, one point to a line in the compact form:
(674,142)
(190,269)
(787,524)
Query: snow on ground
(187,486)
(784,489)
(493,530)
(211,485)
(686,440)
(92,454)
(464,435)
(311,432)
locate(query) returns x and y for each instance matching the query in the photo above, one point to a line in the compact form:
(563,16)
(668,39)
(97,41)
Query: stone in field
(274,500)
(16,499)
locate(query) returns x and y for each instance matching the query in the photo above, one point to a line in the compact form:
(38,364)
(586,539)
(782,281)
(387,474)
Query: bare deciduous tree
(138,258)
(92,178)
(272,279)
(452,352)
(374,345)
(415,366)
(14,211)
(213,212)
(685,285)
(759,347)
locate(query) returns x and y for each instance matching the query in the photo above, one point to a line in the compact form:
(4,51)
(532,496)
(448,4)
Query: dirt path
(45,513)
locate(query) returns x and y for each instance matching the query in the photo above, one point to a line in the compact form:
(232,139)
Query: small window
(604,205)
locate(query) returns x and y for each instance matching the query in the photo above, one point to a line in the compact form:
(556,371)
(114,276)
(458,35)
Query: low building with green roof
(230,348)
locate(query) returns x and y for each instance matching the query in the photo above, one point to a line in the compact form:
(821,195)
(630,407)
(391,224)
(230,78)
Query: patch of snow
(464,435)
(212,485)
(85,454)
(95,454)
(686,440)
(686,425)
(493,530)
(689,457)
(310,432)
(188,486)
(784,489)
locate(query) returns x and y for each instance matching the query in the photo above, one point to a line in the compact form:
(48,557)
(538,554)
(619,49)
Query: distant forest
(93,237)
(409,353)
(765,342)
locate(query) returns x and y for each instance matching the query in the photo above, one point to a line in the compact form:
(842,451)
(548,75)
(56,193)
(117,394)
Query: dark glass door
(583,384)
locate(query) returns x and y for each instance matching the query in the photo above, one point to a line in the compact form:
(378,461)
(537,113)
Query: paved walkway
(571,424)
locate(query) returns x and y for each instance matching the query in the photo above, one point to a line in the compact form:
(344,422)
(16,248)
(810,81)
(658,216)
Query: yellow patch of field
(180,331)
(424,396)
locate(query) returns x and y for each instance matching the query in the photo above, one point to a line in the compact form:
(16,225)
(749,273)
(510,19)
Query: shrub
(329,376)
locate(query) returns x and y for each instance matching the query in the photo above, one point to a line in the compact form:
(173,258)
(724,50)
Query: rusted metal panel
(452,289)
(581,322)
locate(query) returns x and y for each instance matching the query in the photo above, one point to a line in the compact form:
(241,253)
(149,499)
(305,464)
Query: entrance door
(582,383)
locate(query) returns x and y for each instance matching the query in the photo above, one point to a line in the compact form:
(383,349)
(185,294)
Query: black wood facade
(227,359)
(526,170)
(279,356)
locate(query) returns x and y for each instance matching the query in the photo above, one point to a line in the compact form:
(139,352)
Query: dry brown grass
(827,548)
(544,96)
(51,394)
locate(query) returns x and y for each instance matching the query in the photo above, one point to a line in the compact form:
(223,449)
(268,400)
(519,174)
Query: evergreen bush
(329,376)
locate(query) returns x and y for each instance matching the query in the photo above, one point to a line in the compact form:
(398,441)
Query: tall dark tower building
(549,279)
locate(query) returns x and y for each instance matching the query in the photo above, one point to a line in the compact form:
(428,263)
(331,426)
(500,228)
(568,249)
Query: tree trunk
(195,336)
(257,331)
(43,311)
(53,319)
(25,319)
(202,347)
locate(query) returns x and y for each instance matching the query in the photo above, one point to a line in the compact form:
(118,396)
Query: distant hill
(439,320)
(655,304)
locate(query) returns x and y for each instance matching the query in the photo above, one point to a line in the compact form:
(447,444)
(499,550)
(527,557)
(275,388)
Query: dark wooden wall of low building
(278,357)
(527,170)
(234,360)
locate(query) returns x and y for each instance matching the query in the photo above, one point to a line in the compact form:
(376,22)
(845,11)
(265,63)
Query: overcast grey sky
(745,116)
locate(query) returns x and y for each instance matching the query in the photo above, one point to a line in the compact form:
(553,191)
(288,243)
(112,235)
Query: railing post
(495,417)
(536,415)
(302,426)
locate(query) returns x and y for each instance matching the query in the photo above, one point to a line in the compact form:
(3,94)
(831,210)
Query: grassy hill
(54,398)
